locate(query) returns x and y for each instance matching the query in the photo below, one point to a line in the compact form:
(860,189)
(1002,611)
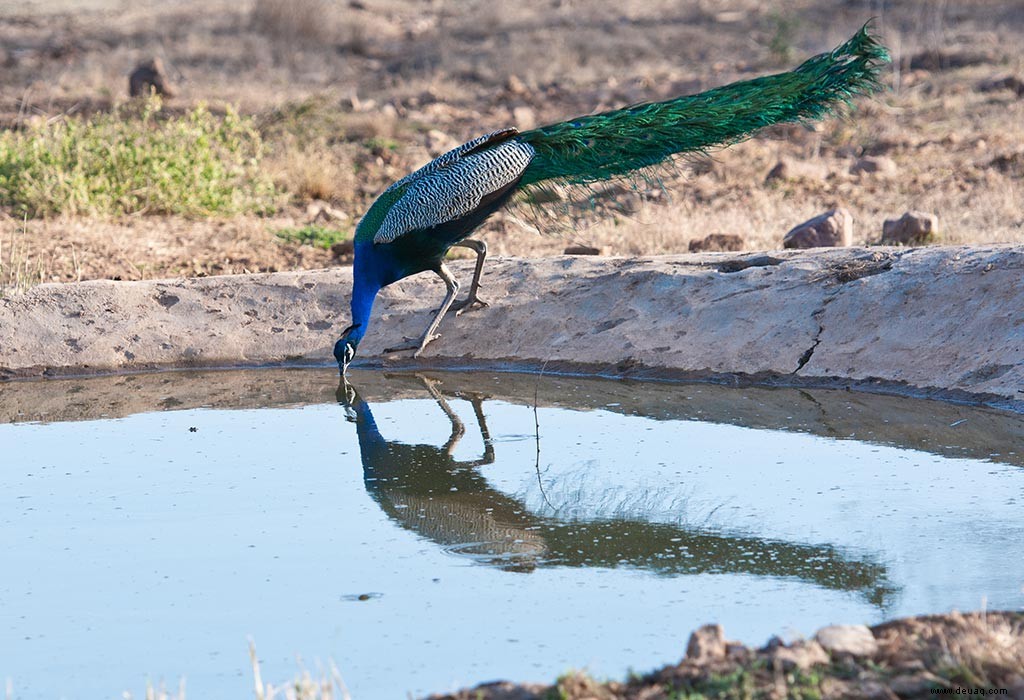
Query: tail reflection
(423,488)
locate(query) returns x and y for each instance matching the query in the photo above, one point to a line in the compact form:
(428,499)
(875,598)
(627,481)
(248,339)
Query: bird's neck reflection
(425,489)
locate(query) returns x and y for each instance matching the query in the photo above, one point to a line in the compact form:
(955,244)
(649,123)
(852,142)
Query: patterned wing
(454,184)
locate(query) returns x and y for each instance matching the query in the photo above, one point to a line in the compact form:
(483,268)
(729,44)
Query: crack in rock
(809,352)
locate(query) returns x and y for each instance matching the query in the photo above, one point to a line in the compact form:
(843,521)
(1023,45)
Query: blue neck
(364,292)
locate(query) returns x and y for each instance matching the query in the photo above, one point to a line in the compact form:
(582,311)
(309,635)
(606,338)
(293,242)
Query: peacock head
(345,348)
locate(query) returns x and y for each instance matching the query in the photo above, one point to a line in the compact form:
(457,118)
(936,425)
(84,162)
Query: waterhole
(427,532)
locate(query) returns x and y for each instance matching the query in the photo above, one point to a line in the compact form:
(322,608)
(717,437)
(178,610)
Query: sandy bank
(946,322)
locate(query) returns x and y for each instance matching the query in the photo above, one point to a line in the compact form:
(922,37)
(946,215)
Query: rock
(439,142)
(524,118)
(855,640)
(343,249)
(833,229)
(799,655)
(319,209)
(516,86)
(582,250)
(914,685)
(913,228)
(790,169)
(150,76)
(706,644)
(876,165)
(717,242)
(1006,82)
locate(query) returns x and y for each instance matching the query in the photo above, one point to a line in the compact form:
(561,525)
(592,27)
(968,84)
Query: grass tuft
(314,235)
(136,161)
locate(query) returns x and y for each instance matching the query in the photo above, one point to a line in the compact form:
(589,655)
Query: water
(429,534)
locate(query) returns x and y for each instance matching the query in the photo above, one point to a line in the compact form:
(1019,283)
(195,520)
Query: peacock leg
(481,252)
(452,285)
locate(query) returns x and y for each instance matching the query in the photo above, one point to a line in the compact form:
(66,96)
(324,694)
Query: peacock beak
(344,351)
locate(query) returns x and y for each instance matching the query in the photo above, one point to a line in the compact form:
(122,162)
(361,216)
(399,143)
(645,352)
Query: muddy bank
(945,322)
(957,654)
(948,429)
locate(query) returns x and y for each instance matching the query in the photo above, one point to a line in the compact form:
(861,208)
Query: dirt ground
(420,77)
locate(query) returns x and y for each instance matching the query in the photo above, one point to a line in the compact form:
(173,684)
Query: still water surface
(431,533)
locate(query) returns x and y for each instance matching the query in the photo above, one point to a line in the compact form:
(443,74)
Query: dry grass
(340,124)
(295,21)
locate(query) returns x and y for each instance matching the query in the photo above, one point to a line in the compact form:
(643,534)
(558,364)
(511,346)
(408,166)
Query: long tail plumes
(612,144)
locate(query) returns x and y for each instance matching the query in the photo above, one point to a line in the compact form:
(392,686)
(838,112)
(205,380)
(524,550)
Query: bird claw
(409,344)
(418,345)
(423,345)
(469,305)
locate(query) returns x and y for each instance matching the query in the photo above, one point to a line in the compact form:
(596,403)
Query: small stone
(706,644)
(832,229)
(515,85)
(913,228)
(319,209)
(717,242)
(439,142)
(343,249)
(801,655)
(737,652)
(582,250)
(1006,82)
(149,76)
(524,118)
(913,685)
(883,166)
(790,169)
(855,640)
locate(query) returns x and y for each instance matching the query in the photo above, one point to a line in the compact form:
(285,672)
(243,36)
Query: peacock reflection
(424,489)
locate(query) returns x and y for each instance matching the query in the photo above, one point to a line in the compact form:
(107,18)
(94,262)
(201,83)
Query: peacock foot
(469,304)
(407,344)
(417,344)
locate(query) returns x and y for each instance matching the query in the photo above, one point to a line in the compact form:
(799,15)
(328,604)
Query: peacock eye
(350,352)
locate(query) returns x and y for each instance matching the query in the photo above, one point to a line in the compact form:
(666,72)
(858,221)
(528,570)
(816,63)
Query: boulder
(833,229)
(717,242)
(913,228)
(854,640)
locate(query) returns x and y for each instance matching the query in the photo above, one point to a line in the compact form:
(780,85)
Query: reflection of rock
(425,490)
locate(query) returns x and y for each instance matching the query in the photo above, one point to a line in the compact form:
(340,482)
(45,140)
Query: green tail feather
(611,144)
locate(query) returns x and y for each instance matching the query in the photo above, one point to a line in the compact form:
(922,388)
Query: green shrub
(136,161)
(319,236)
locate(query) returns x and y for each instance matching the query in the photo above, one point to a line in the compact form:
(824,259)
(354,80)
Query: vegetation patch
(134,160)
(312,234)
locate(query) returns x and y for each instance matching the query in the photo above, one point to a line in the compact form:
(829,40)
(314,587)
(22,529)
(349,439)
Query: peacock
(411,226)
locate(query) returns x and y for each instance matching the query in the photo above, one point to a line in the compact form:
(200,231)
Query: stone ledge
(946,322)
